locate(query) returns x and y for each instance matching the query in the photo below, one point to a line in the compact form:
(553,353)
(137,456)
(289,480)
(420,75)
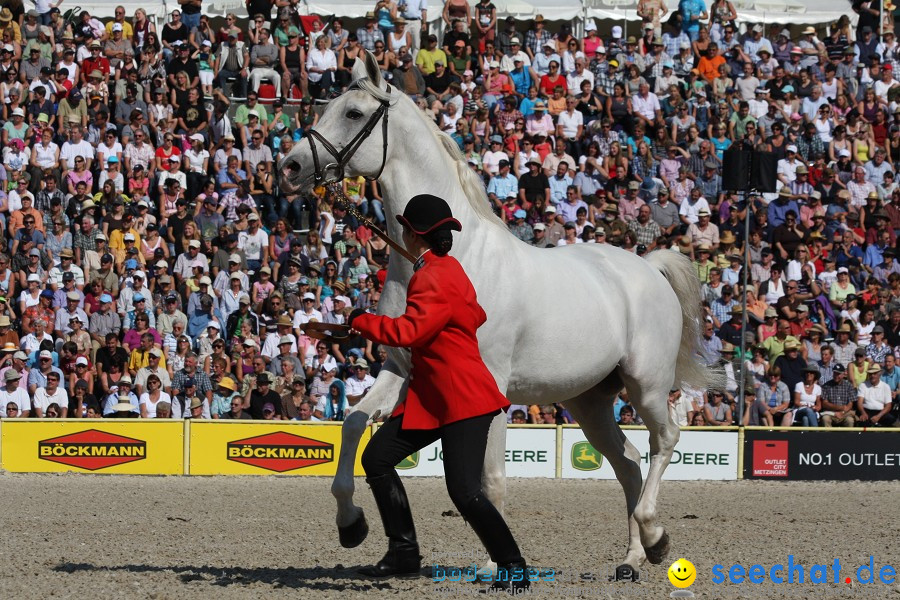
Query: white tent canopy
(786,12)
(103,9)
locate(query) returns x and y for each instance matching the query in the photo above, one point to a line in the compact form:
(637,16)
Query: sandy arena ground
(95,536)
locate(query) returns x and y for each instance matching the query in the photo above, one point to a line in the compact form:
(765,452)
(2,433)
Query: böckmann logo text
(92,450)
(280,451)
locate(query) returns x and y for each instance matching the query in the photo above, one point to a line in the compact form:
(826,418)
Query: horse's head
(350,138)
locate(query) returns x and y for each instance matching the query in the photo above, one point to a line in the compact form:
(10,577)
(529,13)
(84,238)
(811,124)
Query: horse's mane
(472,185)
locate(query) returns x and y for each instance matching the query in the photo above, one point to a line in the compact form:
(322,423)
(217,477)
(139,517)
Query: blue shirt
(891,378)
(690,9)
(558,187)
(35,377)
(526,107)
(720,146)
(777,211)
(522,80)
(503,187)
(224,177)
(874,256)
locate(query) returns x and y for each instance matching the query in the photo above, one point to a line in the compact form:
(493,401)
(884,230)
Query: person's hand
(875,419)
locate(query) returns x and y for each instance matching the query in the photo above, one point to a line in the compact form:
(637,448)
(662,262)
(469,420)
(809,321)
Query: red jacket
(448,382)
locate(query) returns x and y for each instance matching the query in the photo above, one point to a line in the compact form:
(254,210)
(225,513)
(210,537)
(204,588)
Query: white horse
(573,324)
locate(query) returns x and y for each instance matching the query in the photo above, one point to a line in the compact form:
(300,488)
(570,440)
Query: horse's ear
(359,69)
(367,67)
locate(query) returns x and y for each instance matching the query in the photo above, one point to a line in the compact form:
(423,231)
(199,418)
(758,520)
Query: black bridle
(342,157)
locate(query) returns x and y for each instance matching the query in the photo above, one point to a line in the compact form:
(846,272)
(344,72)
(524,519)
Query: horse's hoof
(354,534)
(658,551)
(625,573)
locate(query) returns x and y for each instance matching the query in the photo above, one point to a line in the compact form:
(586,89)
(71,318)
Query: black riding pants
(464,443)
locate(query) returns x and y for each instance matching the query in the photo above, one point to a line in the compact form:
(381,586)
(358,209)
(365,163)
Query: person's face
(12,411)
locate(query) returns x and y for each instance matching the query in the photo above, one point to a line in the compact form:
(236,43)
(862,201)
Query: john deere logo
(410,462)
(585,457)
(280,452)
(92,450)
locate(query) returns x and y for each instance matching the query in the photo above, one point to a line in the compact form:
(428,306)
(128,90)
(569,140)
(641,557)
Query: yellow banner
(284,447)
(93,446)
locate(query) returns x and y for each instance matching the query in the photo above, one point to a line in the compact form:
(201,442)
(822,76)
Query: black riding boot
(494,533)
(402,557)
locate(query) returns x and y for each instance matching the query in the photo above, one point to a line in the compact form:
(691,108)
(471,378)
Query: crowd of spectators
(154,268)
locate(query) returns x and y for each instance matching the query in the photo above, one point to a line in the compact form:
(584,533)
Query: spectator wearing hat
(790,362)
(359,382)
(878,351)
(261,398)
(408,77)
(37,376)
(730,330)
(427,57)
(13,393)
(503,183)
(703,232)
(65,313)
(8,335)
(874,400)
(839,398)
(232,60)
(236,319)
(191,403)
(118,48)
(722,307)
(888,267)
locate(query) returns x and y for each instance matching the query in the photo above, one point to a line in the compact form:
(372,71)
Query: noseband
(342,157)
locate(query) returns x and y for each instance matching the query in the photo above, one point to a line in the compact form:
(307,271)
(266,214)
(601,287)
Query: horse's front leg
(389,389)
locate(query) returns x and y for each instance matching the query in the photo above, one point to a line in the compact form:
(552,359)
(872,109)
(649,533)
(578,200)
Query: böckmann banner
(94,446)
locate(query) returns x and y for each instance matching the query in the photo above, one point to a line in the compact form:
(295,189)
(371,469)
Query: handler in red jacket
(451,396)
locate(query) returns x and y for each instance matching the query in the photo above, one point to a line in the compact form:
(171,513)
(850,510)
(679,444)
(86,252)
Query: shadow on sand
(338,578)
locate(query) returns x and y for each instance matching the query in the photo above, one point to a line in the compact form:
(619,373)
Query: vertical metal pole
(744,277)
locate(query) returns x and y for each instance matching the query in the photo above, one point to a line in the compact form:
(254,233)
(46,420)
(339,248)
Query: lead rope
(342,201)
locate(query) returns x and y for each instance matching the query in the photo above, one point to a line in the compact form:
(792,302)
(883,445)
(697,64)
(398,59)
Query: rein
(342,157)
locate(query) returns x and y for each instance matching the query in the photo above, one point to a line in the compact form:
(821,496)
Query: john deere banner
(94,446)
(699,455)
(285,447)
(530,452)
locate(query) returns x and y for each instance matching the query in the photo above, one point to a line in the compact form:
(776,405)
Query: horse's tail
(689,369)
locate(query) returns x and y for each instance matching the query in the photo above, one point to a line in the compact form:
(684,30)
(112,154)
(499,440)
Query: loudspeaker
(736,170)
(763,172)
(743,170)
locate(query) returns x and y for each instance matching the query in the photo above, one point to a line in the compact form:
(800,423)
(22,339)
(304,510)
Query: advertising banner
(284,447)
(698,455)
(821,455)
(530,452)
(94,446)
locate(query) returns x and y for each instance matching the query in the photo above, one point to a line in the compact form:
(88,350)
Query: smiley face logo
(682,573)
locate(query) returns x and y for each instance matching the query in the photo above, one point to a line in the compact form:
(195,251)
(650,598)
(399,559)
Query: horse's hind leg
(594,412)
(649,396)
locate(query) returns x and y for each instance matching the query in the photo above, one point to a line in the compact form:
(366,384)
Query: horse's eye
(354,114)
